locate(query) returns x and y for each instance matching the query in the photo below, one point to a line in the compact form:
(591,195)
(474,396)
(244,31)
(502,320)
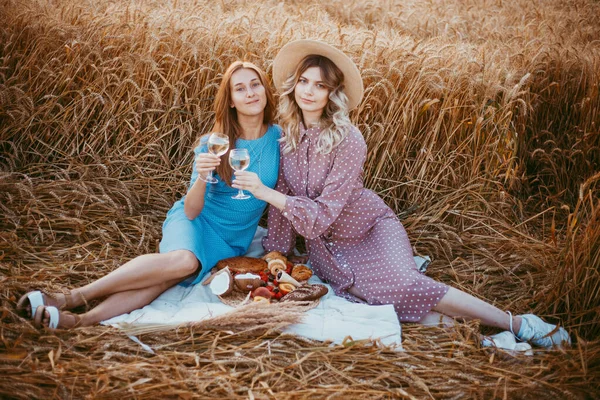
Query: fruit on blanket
(286,288)
(247,282)
(262,299)
(284,277)
(262,292)
(306,293)
(243,264)
(301,272)
(276,293)
(221,283)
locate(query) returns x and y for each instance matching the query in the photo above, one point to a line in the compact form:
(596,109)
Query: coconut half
(222,282)
(247,282)
(209,279)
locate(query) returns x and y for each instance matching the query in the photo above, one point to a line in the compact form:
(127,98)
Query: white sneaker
(502,340)
(524,348)
(540,333)
(506,341)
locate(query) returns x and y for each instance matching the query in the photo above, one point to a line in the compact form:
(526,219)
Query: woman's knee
(185,262)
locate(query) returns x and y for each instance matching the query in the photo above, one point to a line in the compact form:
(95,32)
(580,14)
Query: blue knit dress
(225,227)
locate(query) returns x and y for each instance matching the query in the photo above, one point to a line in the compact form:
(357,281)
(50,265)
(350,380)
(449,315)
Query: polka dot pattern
(354,240)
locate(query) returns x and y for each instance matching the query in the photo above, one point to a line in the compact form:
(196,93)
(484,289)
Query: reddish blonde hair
(226,120)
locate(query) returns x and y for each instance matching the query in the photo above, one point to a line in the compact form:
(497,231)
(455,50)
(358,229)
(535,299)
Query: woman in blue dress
(205,226)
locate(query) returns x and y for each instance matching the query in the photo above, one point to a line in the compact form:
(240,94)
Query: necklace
(256,155)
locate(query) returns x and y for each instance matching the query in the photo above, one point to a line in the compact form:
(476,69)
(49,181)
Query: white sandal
(35,299)
(55,316)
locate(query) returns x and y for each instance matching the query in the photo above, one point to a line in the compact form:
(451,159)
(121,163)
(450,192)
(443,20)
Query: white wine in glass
(239,159)
(218,144)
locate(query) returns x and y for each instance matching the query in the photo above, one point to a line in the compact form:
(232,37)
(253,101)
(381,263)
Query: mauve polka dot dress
(354,240)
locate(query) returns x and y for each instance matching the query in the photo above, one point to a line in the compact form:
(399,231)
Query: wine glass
(218,144)
(239,159)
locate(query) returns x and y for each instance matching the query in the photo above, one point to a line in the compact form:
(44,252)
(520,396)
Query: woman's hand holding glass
(217,144)
(239,159)
(206,164)
(246,180)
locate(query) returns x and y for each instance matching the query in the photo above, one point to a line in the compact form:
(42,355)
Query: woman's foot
(536,331)
(30,301)
(506,341)
(50,317)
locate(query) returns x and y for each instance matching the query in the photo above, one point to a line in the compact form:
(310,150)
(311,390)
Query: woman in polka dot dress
(355,241)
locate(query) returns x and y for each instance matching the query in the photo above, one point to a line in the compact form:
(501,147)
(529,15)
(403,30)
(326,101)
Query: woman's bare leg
(433,318)
(148,270)
(458,304)
(116,304)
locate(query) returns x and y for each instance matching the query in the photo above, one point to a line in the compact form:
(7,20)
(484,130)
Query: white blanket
(334,319)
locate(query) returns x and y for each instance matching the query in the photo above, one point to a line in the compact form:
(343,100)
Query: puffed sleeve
(311,218)
(280,236)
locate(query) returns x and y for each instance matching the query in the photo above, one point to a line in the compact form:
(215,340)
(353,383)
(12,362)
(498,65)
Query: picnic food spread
(242,264)
(271,278)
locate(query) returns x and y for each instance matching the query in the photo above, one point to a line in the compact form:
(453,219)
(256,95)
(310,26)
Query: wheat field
(482,120)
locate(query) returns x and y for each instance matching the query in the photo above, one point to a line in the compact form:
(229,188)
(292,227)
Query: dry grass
(482,120)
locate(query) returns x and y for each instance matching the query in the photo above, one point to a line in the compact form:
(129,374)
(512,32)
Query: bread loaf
(306,293)
(242,264)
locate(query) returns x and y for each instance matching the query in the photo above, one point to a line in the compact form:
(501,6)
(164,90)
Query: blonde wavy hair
(335,120)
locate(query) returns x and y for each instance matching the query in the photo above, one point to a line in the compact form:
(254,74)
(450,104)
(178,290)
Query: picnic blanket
(334,319)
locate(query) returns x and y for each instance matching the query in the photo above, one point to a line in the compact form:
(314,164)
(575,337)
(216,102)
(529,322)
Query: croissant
(242,264)
(301,272)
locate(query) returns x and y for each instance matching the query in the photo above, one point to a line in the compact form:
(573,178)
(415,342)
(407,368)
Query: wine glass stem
(209,177)
(241,193)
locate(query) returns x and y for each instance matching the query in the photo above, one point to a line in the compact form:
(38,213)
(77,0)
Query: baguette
(306,293)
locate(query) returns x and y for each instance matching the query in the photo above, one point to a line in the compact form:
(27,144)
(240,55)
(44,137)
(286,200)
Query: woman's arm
(312,217)
(271,196)
(194,199)
(250,181)
(280,236)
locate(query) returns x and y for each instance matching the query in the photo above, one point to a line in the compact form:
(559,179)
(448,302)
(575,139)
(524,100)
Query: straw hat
(291,54)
